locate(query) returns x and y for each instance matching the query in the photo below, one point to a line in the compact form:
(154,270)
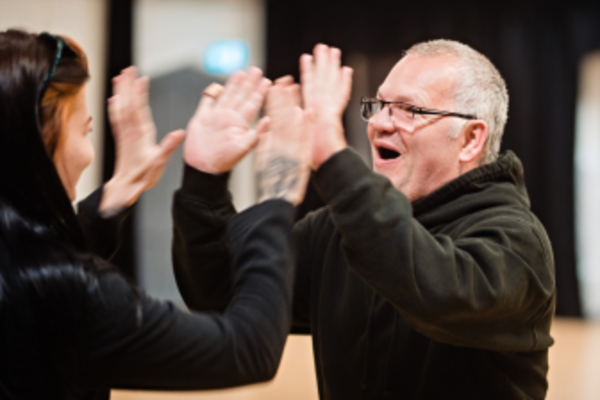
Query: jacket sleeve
(101,233)
(492,287)
(201,250)
(156,346)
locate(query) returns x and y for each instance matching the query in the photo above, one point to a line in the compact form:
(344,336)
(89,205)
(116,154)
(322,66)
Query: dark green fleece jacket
(450,297)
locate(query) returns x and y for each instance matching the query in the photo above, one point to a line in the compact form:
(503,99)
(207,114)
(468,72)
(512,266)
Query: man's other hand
(326,88)
(284,152)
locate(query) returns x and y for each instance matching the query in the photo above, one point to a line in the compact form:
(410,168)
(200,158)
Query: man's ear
(474,135)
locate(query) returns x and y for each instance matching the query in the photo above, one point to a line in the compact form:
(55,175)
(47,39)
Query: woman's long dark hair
(45,274)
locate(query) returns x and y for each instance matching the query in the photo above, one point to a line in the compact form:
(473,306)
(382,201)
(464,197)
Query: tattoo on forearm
(279,176)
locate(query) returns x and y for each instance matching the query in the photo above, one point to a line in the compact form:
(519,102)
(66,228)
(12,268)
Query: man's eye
(407,111)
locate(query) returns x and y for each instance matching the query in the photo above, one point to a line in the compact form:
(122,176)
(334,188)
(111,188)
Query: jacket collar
(499,183)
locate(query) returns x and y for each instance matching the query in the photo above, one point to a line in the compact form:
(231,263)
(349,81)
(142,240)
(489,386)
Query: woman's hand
(284,152)
(218,135)
(326,88)
(140,161)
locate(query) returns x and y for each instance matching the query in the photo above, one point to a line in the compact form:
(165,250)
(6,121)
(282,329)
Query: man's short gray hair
(480,89)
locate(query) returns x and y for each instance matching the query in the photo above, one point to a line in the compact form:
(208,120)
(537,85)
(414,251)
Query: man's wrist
(339,174)
(326,154)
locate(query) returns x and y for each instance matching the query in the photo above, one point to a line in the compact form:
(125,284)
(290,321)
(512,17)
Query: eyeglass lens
(399,114)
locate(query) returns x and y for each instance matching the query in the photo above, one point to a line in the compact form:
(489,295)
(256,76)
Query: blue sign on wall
(224,57)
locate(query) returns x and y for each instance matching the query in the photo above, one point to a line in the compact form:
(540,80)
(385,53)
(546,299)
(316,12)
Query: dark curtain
(536,46)
(119,57)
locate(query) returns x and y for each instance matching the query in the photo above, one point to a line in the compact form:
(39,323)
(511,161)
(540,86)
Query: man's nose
(382,121)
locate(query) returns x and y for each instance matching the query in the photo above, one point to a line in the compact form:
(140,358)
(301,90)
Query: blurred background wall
(587,179)
(170,43)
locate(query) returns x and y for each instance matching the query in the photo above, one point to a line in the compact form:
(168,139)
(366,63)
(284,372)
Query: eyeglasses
(401,112)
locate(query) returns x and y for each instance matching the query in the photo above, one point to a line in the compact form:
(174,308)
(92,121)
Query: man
(427,278)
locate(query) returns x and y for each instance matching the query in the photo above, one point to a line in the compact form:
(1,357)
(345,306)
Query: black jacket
(141,343)
(451,297)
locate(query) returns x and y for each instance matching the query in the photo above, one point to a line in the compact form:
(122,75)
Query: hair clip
(60,44)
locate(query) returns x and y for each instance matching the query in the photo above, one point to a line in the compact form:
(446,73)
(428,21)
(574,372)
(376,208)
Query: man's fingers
(284,80)
(322,63)
(307,79)
(306,68)
(346,82)
(295,94)
(275,100)
(335,61)
(171,142)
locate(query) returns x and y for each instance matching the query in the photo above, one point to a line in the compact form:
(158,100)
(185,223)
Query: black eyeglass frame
(414,109)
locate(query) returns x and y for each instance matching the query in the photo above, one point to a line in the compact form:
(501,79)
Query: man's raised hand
(218,135)
(284,152)
(326,88)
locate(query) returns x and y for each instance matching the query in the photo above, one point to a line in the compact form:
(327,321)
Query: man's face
(416,153)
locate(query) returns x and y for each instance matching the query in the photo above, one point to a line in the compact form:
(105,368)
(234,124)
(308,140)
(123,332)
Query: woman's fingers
(255,100)
(143,111)
(246,88)
(232,87)
(114,115)
(116,112)
(249,140)
(209,97)
(123,88)
(262,126)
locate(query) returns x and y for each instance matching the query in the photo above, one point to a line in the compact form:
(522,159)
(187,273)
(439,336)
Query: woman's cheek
(84,154)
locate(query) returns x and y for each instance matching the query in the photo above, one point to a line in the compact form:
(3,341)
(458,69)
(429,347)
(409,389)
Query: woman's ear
(474,136)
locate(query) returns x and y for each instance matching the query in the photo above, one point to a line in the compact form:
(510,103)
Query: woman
(70,326)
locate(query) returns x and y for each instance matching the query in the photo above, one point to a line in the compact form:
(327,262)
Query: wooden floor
(574,371)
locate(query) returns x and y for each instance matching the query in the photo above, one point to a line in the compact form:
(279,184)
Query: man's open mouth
(387,154)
